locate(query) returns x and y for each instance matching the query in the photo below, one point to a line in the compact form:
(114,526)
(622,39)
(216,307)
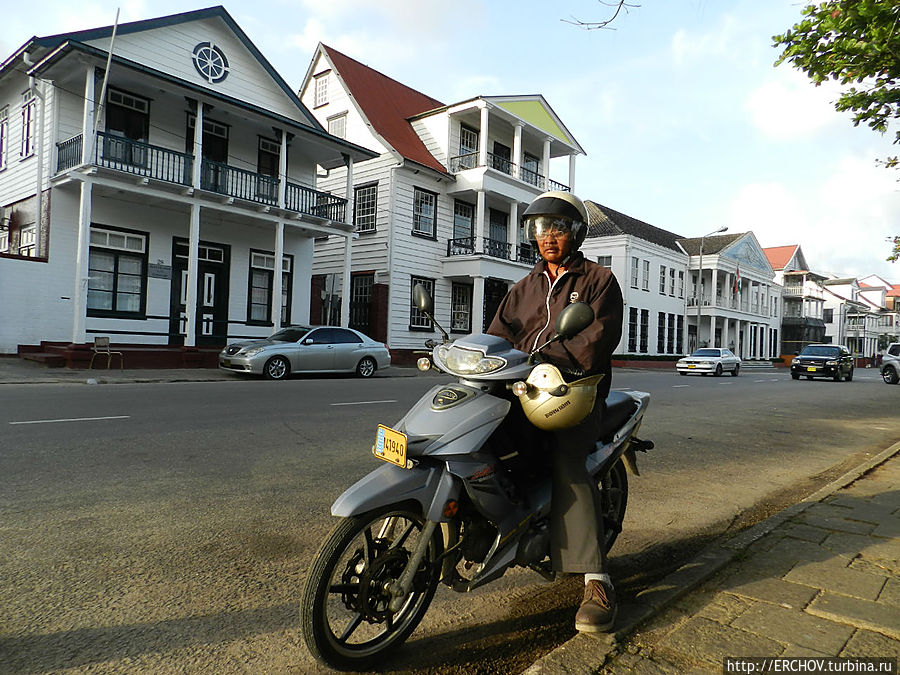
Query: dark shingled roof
(711,245)
(606,222)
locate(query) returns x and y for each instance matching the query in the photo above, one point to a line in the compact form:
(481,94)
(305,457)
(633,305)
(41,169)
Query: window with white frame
(337,125)
(417,319)
(672,281)
(321,84)
(424,212)
(463,220)
(365,199)
(117,273)
(461,308)
(28,241)
(605,261)
(635,265)
(645,285)
(4,135)
(28,125)
(4,241)
(681,285)
(662,279)
(468,147)
(262,285)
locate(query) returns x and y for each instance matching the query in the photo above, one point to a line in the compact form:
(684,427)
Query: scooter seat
(617,409)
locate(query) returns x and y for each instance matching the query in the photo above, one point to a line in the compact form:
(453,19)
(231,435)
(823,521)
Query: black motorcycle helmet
(561,211)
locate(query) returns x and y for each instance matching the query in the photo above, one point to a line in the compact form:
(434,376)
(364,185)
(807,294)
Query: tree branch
(595,25)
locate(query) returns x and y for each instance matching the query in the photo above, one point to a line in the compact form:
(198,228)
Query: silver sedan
(709,360)
(306,349)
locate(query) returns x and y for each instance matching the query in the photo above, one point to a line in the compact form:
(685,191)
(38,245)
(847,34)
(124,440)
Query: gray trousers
(576,526)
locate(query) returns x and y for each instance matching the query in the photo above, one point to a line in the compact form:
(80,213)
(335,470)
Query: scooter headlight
(468,361)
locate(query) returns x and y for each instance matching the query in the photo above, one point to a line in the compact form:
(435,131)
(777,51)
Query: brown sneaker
(598,609)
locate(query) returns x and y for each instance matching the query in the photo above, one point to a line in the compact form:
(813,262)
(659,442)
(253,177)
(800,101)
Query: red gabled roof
(388,105)
(894,292)
(780,256)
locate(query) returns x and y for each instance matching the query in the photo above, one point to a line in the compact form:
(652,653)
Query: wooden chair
(101,347)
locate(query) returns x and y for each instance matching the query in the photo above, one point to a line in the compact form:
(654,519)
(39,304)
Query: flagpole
(98,107)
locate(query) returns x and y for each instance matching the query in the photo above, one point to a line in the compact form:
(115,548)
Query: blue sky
(686,123)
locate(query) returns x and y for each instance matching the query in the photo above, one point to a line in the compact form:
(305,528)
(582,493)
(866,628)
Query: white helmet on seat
(550,403)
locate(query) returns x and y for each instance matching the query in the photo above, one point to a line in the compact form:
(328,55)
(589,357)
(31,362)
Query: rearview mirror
(423,300)
(573,319)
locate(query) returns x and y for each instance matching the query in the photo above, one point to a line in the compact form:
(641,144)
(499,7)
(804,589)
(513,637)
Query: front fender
(389,484)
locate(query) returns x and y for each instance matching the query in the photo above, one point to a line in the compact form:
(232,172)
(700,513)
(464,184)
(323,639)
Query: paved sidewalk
(821,578)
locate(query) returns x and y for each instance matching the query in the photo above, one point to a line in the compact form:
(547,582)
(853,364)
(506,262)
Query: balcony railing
(151,161)
(315,203)
(68,153)
(469,160)
(493,249)
(238,183)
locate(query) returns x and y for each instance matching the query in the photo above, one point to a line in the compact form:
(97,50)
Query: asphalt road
(169,527)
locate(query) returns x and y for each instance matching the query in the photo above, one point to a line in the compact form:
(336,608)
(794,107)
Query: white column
(190,304)
(282,171)
(479,222)
(478,305)
(572,173)
(514,226)
(345,283)
(198,146)
(545,163)
(278,275)
(483,136)
(517,150)
(82,254)
(713,286)
(724,332)
(87,124)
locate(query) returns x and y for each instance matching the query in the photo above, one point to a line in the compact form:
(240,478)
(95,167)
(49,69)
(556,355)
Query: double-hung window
(463,221)
(365,199)
(321,92)
(645,285)
(461,308)
(635,263)
(117,274)
(672,281)
(662,279)
(468,147)
(337,125)
(262,285)
(417,319)
(605,261)
(424,213)
(28,125)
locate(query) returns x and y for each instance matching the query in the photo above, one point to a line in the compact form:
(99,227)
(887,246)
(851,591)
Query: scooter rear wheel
(613,501)
(345,617)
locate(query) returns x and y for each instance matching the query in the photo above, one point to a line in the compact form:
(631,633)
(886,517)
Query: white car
(710,360)
(307,349)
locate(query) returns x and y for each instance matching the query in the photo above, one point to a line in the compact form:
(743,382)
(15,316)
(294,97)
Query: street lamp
(697,293)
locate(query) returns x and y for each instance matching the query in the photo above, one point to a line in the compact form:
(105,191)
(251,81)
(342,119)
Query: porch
(136,356)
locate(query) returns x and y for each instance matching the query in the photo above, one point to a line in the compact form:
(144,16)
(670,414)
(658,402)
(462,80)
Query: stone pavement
(821,578)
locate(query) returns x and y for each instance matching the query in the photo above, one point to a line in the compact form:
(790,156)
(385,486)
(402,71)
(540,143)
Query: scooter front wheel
(345,616)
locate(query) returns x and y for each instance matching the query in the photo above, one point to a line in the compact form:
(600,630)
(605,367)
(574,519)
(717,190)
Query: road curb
(587,653)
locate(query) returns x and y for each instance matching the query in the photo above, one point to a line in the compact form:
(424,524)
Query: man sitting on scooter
(556,223)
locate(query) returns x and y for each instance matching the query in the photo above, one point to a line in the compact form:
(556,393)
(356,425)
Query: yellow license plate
(811,369)
(692,366)
(390,445)
(227,363)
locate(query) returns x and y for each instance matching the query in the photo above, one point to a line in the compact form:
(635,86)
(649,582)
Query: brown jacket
(527,315)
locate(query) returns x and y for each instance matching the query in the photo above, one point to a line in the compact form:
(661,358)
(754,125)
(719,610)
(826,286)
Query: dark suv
(834,361)
(890,364)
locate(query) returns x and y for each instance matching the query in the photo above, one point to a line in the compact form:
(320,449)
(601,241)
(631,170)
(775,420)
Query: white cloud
(789,106)
(841,223)
(718,43)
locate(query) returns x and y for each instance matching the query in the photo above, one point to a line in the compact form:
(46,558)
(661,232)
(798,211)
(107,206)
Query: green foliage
(855,42)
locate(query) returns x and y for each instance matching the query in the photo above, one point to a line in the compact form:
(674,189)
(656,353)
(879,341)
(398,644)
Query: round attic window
(210,62)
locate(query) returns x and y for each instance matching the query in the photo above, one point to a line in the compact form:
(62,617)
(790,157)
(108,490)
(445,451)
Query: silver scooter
(462,495)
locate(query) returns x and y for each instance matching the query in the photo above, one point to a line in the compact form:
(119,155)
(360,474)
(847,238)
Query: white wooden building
(440,206)
(651,269)
(124,222)
(738,303)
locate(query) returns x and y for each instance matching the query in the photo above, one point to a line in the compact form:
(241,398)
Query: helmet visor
(548,227)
